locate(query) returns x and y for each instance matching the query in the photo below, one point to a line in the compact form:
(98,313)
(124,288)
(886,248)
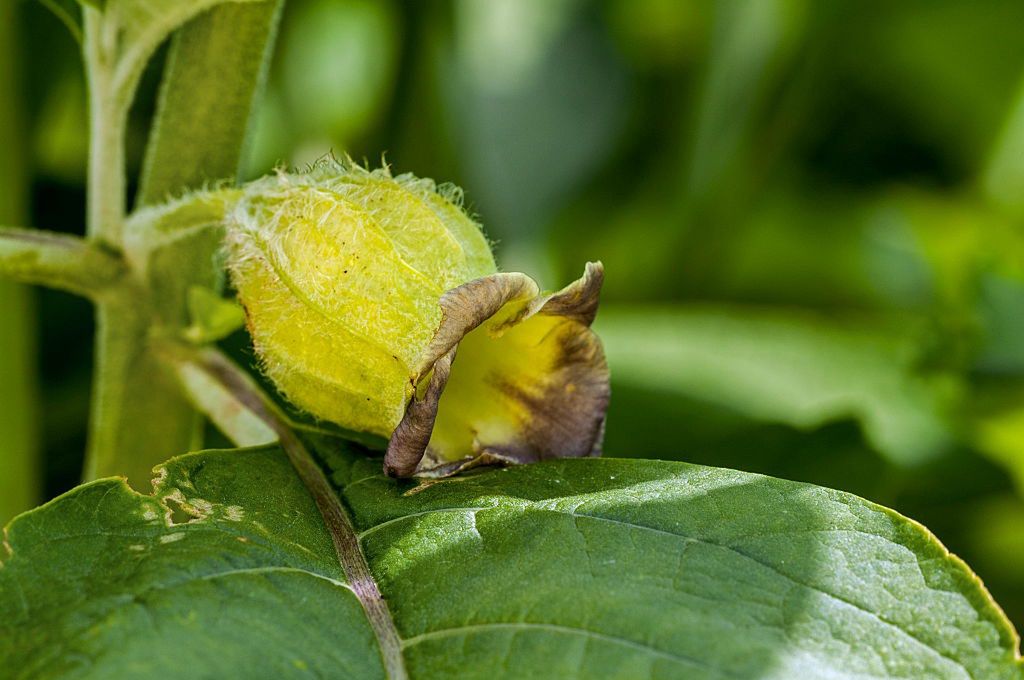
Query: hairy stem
(246,393)
(139,417)
(107,119)
(58,261)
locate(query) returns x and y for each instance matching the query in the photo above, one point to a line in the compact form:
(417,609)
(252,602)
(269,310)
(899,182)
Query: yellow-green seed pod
(374,302)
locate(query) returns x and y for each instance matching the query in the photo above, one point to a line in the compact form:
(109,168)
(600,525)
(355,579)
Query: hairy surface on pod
(360,291)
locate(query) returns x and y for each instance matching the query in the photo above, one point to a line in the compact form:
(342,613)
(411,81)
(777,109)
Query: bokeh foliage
(810,214)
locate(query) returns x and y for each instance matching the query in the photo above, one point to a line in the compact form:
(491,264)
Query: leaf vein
(566,630)
(362,534)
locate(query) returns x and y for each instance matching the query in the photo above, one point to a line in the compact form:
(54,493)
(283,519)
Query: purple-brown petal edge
(563,426)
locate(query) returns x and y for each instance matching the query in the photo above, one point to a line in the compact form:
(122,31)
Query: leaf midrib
(335,516)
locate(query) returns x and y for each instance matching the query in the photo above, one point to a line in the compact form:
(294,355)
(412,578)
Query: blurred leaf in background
(536,99)
(334,70)
(787,368)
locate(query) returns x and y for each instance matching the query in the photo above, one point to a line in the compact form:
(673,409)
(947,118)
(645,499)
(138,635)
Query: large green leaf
(575,568)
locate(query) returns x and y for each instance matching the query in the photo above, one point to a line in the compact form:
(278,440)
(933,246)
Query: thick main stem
(138,416)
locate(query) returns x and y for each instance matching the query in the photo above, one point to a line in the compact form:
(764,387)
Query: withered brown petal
(410,438)
(566,407)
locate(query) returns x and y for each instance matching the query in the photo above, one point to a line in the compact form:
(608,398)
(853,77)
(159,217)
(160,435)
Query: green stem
(139,417)
(58,261)
(107,119)
(222,406)
(19,427)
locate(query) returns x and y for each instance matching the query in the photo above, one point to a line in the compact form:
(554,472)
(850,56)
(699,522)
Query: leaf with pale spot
(592,568)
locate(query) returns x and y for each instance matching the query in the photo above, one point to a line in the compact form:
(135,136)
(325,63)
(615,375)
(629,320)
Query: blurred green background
(811,215)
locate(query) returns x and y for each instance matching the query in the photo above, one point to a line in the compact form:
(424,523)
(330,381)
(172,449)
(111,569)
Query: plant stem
(19,426)
(346,543)
(138,416)
(221,406)
(58,261)
(107,119)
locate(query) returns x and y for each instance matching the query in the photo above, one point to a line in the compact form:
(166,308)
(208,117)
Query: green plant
(297,556)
